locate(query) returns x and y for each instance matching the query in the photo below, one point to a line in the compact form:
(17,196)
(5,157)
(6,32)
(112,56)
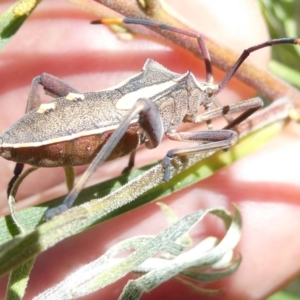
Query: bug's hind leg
(54,87)
(17,172)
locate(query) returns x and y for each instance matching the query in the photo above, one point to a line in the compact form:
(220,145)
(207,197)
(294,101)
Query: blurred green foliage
(13,18)
(283,20)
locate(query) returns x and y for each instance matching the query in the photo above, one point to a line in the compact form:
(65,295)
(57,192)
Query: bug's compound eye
(211,90)
(210,93)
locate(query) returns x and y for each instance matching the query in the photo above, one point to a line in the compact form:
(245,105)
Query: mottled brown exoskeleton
(90,128)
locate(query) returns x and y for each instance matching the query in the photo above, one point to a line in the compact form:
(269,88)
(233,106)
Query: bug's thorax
(181,102)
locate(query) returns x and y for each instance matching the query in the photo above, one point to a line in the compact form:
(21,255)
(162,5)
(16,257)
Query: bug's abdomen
(79,151)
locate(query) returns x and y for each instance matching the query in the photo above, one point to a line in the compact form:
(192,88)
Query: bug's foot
(55,211)
(127,169)
(166,165)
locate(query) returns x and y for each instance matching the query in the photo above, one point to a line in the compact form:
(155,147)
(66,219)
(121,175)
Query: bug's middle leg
(130,164)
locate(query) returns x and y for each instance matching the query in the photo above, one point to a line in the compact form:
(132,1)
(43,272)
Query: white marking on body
(127,101)
(64,138)
(46,107)
(75,96)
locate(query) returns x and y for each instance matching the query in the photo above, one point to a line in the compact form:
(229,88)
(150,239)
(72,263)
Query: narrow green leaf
(18,280)
(12,19)
(285,72)
(108,269)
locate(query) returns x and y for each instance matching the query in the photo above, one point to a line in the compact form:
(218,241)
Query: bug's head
(210,89)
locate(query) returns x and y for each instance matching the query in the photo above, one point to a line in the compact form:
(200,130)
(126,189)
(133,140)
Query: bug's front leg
(207,140)
(247,106)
